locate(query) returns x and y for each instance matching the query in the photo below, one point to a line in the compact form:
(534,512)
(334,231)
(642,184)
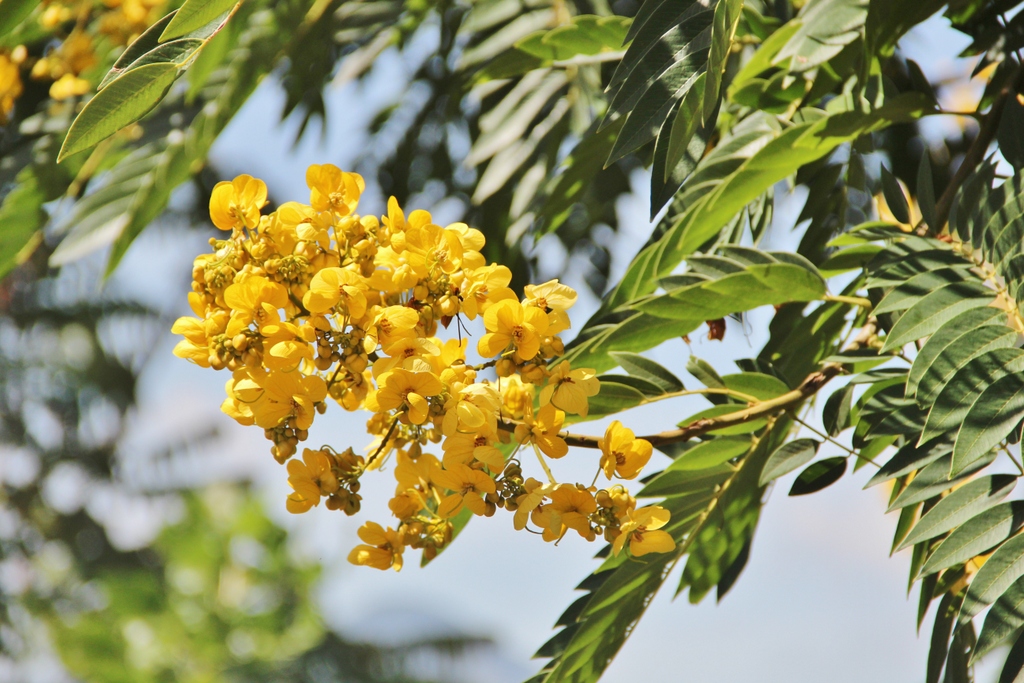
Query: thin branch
(976,152)
(383,443)
(863,302)
(810,386)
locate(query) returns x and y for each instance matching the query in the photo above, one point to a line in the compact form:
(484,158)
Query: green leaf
(711,453)
(977,536)
(761,166)
(894,197)
(950,348)
(825,28)
(13,12)
(759,385)
(124,101)
(679,482)
(909,458)
(917,287)
(939,646)
(836,413)
(995,577)
(193,15)
(934,310)
(1014,665)
(888,20)
(645,368)
(723,28)
(23,218)
(765,285)
(992,417)
(788,457)
(1005,617)
(960,505)
(962,391)
(615,396)
(818,476)
(934,479)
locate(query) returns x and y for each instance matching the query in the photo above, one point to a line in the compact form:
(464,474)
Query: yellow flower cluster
(314,302)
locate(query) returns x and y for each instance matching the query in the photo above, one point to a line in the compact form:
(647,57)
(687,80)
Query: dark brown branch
(979,146)
(791,399)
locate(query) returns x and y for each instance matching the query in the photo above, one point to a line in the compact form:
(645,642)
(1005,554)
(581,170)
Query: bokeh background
(143,532)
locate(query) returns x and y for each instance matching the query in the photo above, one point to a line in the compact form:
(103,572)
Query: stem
(863,302)
(811,384)
(828,438)
(1009,454)
(544,464)
(387,437)
(976,152)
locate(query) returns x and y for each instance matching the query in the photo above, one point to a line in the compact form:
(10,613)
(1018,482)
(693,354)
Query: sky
(821,598)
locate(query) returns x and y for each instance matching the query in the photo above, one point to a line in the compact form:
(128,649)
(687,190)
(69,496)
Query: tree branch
(791,399)
(976,152)
(810,386)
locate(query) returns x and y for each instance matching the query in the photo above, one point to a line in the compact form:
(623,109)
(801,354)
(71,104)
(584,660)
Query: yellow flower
(389,325)
(569,389)
(309,480)
(331,189)
(255,299)
(383,549)
(408,391)
(235,205)
(278,396)
(530,501)
(543,431)
(484,286)
(554,299)
(68,86)
(642,530)
(332,285)
(10,86)
(472,409)
(571,508)
(508,322)
(468,486)
(432,247)
(465,448)
(621,453)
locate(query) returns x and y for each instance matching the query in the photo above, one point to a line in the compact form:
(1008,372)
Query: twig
(810,386)
(384,442)
(976,152)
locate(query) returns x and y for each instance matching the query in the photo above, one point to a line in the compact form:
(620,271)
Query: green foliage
(723,101)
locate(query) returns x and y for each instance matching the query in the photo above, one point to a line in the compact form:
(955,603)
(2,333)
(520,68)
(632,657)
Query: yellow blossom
(331,189)
(236,204)
(408,391)
(571,508)
(543,431)
(509,323)
(310,479)
(255,299)
(382,550)
(569,389)
(643,531)
(622,453)
(333,285)
(468,486)
(389,325)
